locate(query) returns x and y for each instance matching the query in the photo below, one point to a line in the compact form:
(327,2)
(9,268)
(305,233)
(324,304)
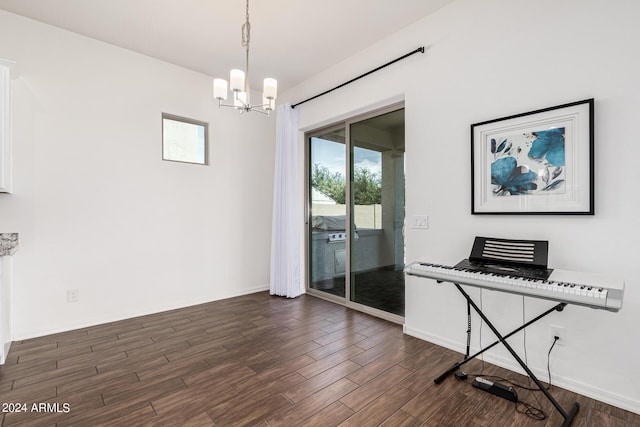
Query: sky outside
(333,156)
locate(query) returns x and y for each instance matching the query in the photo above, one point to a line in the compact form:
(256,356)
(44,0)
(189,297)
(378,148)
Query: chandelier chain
(246,38)
(246,29)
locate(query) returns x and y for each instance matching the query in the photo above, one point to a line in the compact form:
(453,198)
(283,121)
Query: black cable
(480,334)
(514,382)
(469,328)
(531,411)
(521,406)
(524,333)
(555,340)
(524,343)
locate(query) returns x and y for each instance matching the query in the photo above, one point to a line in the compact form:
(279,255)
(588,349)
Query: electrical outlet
(557,331)
(73,295)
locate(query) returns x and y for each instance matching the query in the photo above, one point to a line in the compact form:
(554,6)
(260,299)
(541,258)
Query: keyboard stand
(568,416)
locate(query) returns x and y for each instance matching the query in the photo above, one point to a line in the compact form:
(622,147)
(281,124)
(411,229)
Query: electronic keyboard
(588,289)
(520,267)
(507,270)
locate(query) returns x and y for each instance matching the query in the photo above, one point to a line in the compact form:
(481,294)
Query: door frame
(342,124)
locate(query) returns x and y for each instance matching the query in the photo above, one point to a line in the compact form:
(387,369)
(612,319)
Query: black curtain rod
(420,49)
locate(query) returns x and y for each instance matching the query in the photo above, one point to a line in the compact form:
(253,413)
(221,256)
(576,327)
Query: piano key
(577,291)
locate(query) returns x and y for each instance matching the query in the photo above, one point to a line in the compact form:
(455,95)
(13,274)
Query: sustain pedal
(497,389)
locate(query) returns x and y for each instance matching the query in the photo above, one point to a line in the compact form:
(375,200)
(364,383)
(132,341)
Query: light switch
(420,222)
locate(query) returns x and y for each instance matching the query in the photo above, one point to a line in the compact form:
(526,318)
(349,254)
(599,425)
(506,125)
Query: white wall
(99,211)
(488,59)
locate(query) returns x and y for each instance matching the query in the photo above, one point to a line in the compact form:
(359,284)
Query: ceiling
(291,40)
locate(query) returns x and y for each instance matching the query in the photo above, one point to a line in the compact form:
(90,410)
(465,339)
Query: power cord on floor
(521,406)
(530,411)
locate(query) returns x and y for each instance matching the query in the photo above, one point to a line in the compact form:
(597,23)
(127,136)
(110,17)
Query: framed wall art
(540,162)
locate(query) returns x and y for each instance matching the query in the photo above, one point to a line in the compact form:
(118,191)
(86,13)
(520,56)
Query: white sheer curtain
(285,236)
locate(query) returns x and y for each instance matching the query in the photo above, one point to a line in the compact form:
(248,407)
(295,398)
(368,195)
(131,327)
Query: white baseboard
(5,352)
(123,316)
(573,385)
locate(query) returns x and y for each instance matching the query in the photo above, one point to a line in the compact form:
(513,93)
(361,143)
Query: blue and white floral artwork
(529,163)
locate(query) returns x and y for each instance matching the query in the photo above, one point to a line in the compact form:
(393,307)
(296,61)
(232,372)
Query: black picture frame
(535,163)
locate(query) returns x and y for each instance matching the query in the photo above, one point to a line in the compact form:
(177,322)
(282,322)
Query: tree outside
(367,185)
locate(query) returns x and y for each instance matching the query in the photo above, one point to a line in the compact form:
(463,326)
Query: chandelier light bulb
(220,89)
(237,80)
(270,88)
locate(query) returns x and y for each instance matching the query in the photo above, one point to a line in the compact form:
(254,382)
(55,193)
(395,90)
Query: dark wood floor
(381,288)
(258,360)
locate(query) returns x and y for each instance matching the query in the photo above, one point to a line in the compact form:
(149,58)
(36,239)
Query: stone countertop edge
(8,243)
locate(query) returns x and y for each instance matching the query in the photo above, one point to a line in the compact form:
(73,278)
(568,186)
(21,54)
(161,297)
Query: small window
(184,140)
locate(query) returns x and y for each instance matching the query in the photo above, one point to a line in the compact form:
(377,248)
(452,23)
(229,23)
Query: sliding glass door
(328,212)
(377,212)
(356,213)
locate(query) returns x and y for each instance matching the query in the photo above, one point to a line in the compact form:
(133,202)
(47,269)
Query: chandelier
(239,83)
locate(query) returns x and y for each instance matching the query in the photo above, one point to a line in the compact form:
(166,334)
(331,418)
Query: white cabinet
(8,246)
(5,125)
